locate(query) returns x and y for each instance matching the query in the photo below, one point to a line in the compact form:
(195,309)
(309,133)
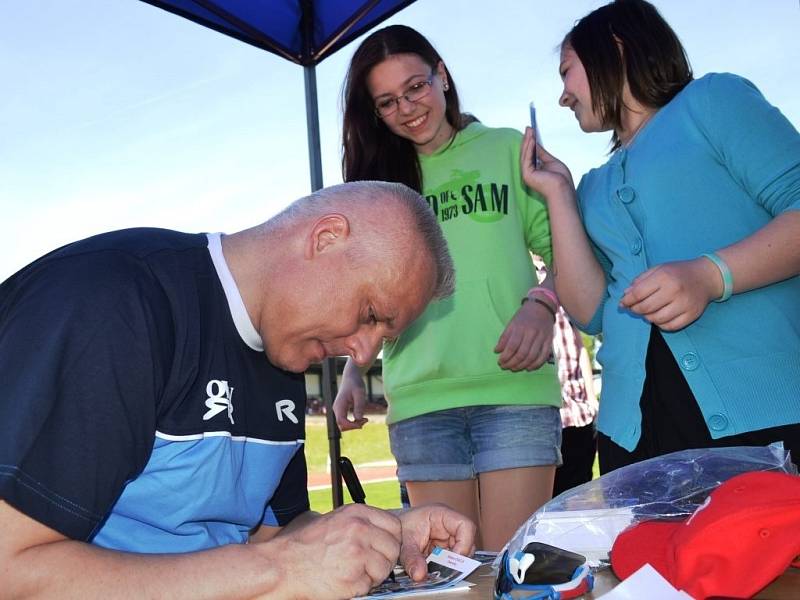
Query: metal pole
(329,364)
(312,123)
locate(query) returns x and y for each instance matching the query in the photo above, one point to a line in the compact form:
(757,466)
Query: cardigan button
(636,246)
(690,361)
(718,422)
(626,194)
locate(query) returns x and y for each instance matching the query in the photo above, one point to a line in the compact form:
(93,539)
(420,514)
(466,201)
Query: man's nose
(563,100)
(363,347)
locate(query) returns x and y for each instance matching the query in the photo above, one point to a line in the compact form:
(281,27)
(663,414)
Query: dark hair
(370,150)
(652,59)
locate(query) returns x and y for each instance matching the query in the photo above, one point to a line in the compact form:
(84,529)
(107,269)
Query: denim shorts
(459,443)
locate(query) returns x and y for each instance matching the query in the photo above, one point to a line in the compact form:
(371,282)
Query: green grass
(385,494)
(369,444)
(365,445)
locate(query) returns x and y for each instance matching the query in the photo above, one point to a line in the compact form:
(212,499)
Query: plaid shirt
(578,409)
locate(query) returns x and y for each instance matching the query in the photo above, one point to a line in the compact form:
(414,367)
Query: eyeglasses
(416,92)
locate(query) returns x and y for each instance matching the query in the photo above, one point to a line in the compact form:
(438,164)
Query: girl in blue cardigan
(683,250)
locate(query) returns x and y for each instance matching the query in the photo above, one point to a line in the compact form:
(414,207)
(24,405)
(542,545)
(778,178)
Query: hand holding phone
(536,136)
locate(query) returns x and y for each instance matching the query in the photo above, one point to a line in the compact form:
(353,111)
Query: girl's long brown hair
(370,150)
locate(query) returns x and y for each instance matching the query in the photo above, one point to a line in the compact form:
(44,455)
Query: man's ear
(326,233)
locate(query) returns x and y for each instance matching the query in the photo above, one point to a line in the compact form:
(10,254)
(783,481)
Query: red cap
(744,535)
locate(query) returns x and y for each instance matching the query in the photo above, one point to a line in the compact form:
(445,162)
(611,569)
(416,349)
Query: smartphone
(535,135)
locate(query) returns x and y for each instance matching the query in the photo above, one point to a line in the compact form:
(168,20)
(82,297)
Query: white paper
(446,571)
(645,583)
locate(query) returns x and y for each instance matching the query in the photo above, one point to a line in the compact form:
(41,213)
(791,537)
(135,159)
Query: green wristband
(727,276)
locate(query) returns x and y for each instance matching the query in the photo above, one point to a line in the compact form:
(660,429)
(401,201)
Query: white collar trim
(239,314)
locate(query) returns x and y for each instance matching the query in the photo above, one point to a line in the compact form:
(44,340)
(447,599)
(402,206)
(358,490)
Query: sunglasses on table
(542,572)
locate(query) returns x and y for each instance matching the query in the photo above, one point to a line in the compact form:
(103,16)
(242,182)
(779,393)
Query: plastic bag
(587,519)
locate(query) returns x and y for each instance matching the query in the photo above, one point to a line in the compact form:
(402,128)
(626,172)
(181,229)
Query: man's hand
(527,341)
(433,525)
(352,395)
(675,294)
(341,554)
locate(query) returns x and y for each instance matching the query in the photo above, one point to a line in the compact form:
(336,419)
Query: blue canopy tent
(304,32)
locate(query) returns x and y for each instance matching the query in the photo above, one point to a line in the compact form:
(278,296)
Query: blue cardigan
(710,168)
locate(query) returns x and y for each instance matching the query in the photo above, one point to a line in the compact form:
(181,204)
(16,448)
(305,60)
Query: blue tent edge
(254,37)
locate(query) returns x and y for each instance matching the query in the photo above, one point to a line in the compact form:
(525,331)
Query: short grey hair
(418,217)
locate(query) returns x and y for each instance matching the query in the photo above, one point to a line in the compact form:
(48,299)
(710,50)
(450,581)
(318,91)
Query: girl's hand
(527,341)
(352,395)
(549,176)
(674,294)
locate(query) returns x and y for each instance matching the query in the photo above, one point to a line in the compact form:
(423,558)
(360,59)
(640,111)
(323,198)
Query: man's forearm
(37,562)
(300,521)
(71,569)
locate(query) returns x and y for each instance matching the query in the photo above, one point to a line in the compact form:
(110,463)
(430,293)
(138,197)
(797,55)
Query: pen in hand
(354,487)
(351,480)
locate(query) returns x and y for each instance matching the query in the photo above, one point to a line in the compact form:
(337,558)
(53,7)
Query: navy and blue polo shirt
(138,410)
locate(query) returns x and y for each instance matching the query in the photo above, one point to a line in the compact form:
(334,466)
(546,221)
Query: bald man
(148,449)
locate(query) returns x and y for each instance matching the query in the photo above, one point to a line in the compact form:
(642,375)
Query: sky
(116,114)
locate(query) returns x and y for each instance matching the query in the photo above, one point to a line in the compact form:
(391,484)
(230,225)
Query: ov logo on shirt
(220,397)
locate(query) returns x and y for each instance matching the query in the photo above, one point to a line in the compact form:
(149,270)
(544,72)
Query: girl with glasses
(683,250)
(473,403)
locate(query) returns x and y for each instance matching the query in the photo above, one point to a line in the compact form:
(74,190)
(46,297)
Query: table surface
(786,587)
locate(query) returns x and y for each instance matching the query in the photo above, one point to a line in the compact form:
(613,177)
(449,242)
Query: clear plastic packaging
(587,519)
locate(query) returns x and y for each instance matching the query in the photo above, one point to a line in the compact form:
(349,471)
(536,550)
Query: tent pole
(329,364)
(312,123)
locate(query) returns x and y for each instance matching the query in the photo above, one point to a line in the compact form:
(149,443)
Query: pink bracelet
(549,294)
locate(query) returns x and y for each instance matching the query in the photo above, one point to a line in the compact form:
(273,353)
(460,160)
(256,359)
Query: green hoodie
(446,358)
